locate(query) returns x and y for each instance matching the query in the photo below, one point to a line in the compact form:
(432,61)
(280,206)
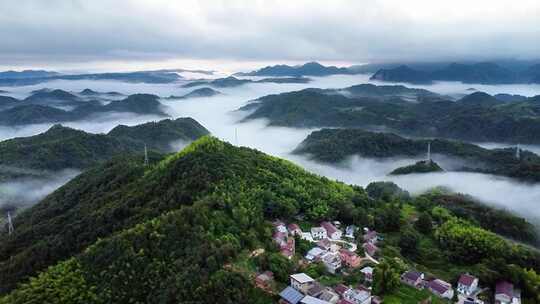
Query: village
(336,248)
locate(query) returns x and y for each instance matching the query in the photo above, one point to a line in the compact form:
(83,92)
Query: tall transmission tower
(518,152)
(429,152)
(10,223)
(145,156)
(236,136)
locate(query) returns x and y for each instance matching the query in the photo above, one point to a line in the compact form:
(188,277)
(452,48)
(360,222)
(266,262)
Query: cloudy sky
(79,33)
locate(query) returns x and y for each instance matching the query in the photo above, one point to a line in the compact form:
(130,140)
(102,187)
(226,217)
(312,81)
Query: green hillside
(178,229)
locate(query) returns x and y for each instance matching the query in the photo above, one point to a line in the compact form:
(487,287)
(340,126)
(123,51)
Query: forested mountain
(483,72)
(334,145)
(178,230)
(470,119)
(62,147)
(59,106)
(307,69)
(231,81)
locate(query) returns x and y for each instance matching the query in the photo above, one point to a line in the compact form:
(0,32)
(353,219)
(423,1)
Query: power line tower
(236,136)
(145,156)
(10,223)
(518,152)
(428,152)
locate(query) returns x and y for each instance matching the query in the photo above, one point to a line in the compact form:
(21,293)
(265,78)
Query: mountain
(11,79)
(484,73)
(39,108)
(26,74)
(195,226)
(389,92)
(335,145)
(479,99)
(202,92)
(517,122)
(299,79)
(227,82)
(402,73)
(422,166)
(510,97)
(7,102)
(65,148)
(307,69)
(183,218)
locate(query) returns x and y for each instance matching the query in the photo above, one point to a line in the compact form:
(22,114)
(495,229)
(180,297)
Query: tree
(280,266)
(385,278)
(408,242)
(424,223)
(388,219)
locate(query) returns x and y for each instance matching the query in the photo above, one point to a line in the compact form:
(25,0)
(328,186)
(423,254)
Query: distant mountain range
(335,145)
(232,81)
(65,148)
(46,105)
(477,117)
(483,73)
(308,69)
(201,92)
(32,77)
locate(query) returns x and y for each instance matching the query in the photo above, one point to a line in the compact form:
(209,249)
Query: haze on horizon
(127,34)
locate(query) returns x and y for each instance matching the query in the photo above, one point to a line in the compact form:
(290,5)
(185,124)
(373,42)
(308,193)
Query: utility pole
(10,223)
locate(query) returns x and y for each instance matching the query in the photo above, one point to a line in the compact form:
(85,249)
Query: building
(331,231)
(324,244)
(287,249)
(376,300)
(350,231)
(329,296)
(413,278)
(370,236)
(349,258)
(505,293)
(318,233)
(356,296)
(294,229)
(441,288)
(467,284)
(370,248)
(332,262)
(279,226)
(264,280)
(340,289)
(312,300)
(314,254)
(290,295)
(315,290)
(368,273)
(279,237)
(307,236)
(301,282)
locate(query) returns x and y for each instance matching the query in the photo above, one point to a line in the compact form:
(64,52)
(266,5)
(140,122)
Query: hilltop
(307,69)
(186,227)
(62,147)
(422,166)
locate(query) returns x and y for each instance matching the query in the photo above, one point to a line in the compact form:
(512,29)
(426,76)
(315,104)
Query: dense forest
(174,230)
(335,145)
(470,119)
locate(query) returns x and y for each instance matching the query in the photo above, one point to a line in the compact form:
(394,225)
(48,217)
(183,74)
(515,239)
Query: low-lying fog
(217,114)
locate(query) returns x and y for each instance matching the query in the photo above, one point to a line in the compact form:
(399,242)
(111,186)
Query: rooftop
(302,278)
(505,288)
(466,279)
(291,295)
(312,300)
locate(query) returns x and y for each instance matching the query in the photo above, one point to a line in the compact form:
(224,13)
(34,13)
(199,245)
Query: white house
(368,273)
(279,226)
(301,282)
(331,230)
(357,296)
(307,236)
(467,284)
(314,253)
(313,300)
(318,233)
(332,261)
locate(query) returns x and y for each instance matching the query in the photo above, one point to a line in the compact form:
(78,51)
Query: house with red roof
(349,258)
(413,278)
(467,284)
(505,293)
(370,248)
(340,289)
(441,288)
(287,248)
(264,280)
(370,236)
(294,229)
(331,230)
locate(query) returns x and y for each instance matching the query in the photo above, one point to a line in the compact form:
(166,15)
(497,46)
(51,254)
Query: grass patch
(408,295)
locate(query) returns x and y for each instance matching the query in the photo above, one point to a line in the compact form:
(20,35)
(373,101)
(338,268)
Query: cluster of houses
(333,248)
(467,288)
(305,290)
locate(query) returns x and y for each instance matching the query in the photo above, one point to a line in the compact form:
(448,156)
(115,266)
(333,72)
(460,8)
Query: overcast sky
(53,32)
